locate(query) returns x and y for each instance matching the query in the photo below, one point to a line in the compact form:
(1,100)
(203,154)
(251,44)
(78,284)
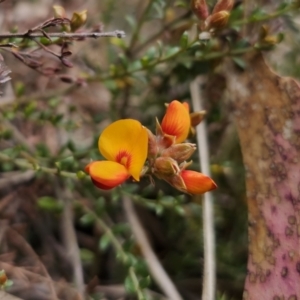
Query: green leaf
(87,255)
(120,43)
(180,3)
(145,282)
(280,37)
(115,197)
(167,200)
(257,14)
(42,150)
(71,146)
(121,228)
(152,53)
(180,210)
(6,134)
(53,102)
(50,204)
(8,283)
(129,285)
(145,61)
(104,242)
(123,59)
(181,198)
(80,175)
(131,260)
(29,109)
(141,78)
(151,205)
(159,209)
(131,21)
(161,3)
(159,10)
(87,219)
(282,6)
(159,48)
(239,62)
(100,205)
(184,40)
(19,88)
(171,51)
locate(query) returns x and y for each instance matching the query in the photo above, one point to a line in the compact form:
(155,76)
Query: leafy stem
(118,248)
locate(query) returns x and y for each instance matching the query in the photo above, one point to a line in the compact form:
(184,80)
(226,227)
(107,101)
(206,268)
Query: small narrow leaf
(104,242)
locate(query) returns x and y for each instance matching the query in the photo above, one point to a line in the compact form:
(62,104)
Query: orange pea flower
(124,144)
(191,182)
(176,121)
(197,183)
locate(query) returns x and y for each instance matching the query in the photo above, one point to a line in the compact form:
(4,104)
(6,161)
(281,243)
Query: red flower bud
(217,20)
(197,183)
(200,9)
(223,5)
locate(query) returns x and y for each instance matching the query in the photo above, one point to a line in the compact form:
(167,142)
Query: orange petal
(197,183)
(101,186)
(107,174)
(186,105)
(126,142)
(176,121)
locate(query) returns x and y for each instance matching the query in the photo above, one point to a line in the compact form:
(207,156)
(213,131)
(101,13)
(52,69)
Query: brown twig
(16,178)
(79,35)
(17,239)
(70,239)
(209,280)
(22,274)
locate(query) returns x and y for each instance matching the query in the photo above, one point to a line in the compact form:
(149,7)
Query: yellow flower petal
(107,174)
(197,183)
(126,142)
(177,121)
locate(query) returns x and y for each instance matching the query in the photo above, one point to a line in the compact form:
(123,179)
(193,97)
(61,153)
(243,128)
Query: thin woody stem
(209,276)
(116,33)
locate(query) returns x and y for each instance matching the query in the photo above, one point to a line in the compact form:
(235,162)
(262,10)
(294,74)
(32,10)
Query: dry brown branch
(22,275)
(6,201)
(70,35)
(209,279)
(15,178)
(15,238)
(70,240)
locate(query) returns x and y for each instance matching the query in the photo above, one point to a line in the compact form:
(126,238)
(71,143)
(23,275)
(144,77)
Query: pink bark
(267,113)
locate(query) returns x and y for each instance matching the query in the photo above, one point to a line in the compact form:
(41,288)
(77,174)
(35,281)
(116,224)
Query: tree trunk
(266,108)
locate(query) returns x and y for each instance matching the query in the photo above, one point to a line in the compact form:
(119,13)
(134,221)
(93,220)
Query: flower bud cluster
(168,155)
(218,19)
